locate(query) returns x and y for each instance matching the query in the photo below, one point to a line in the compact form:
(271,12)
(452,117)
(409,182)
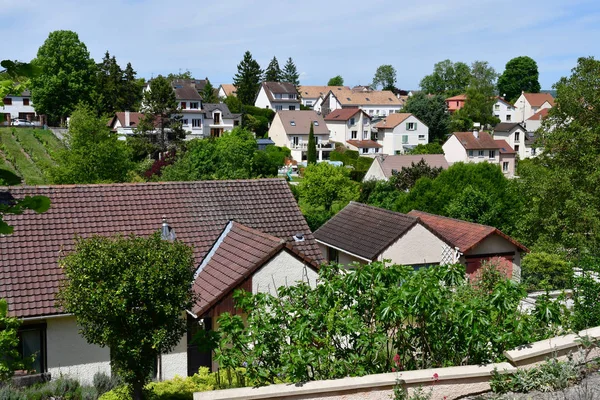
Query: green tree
(327,187)
(429,148)
(290,73)
(247,79)
(385,76)
(129,294)
(311,152)
(180,75)
(448,79)
(131,95)
(116,89)
(273,72)
(93,153)
(433,111)
(66,76)
(336,81)
(161,119)
(11,360)
(520,74)
(233,103)
(209,94)
(408,176)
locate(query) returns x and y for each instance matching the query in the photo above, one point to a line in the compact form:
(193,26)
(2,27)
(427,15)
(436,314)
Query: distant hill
(29,153)
(551,91)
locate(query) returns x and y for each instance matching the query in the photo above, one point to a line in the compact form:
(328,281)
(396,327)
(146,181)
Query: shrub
(546,377)
(104,383)
(542,271)
(586,289)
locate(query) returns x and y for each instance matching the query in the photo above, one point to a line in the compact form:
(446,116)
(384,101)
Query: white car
(21,122)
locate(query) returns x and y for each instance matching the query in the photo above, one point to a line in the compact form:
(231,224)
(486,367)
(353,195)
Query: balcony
(327,146)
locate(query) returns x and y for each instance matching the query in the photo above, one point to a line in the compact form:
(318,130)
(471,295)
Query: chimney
(127,119)
(476,126)
(167,233)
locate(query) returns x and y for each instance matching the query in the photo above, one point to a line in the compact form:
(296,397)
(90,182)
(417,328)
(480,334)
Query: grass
(50,142)
(36,150)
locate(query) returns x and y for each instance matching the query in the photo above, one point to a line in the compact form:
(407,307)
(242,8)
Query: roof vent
(299,237)
(167,233)
(476,127)
(316,123)
(368,99)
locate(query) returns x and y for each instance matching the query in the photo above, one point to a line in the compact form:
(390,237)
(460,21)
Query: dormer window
(316,123)
(293,123)
(194,105)
(217,118)
(368,99)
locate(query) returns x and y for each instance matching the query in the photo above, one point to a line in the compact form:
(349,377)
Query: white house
(517,137)
(400,132)
(124,123)
(311,96)
(505,111)
(218,119)
(227,89)
(383,166)
(373,102)
(277,96)
(352,128)
(19,107)
(530,103)
(291,128)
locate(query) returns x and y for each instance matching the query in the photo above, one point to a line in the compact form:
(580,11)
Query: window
(505,166)
(278,108)
(377,112)
(411,126)
(533,151)
(370,112)
(457,103)
(316,123)
(333,255)
(421,137)
(365,135)
(497,116)
(184,122)
(194,105)
(309,102)
(291,96)
(404,139)
(196,123)
(376,150)
(517,134)
(217,118)
(492,153)
(32,341)
(236,122)
(352,121)
(365,150)
(25,102)
(278,95)
(365,121)
(517,148)
(496,107)
(7,101)
(295,140)
(470,153)
(182,105)
(508,118)
(293,123)
(480,153)
(291,108)
(354,135)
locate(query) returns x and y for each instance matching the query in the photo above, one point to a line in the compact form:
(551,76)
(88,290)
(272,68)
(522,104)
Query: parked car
(21,122)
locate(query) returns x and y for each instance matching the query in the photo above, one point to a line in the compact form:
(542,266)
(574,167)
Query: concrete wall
(417,246)
(175,362)
(17,107)
(284,269)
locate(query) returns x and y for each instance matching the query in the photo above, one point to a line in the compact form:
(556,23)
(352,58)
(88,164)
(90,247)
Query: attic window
(390,99)
(368,99)
(348,98)
(293,123)
(316,123)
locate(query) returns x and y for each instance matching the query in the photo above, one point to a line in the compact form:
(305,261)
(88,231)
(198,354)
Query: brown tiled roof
(537,99)
(279,88)
(187,92)
(504,147)
(539,115)
(197,211)
(349,97)
(134,119)
(500,99)
(364,144)
(364,230)
(389,163)
(229,89)
(462,234)
(470,142)
(298,122)
(314,92)
(458,97)
(392,120)
(236,255)
(344,114)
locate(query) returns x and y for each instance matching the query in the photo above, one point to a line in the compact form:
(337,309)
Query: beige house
(530,103)
(401,132)
(352,128)
(383,166)
(291,128)
(373,102)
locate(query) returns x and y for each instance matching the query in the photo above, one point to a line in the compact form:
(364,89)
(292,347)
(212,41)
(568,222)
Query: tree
(336,81)
(11,360)
(433,111)
(233,103)
(129,294)
(311,153)
(209,94)
(520,74)
(180,75)
(385,76)
(408,176)
(429,148)
(448,79)
(93,153)
(273,72)
(247,79)
(327,187)
(161,114)
(131,93)
(290,73)
(66,76)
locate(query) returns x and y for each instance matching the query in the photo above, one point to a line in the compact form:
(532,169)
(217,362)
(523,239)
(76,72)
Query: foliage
(273,72)
(128,294)
(520,74)
(328,187)
(39,204)
(115,89)
(353,324)
(540,271)
(548,376)
(247,79)
(66,76)
(358,165)
(290,73)
(10,361)
(63,388)
(94,154)
(408,176)
(586,293)
(209,93)
(433,111)
(385,76)
(233,103)
(336,81)
(180,75)
(448,79)
(104,383)
(429,148)
(311,154)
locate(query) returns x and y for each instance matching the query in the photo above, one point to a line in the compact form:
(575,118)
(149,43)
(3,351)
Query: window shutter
(407,126)
(415,126)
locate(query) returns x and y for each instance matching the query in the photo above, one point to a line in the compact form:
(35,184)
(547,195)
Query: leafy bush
(63,388)
(586,294)
(546,377)
(542,271)
(104,383)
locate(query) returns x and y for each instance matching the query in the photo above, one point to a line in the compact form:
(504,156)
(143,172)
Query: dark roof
(504,147)
(134,119)
(237,253)
(344,114)
(210,107)
(470,142)
(280,88)
(198,84)
(197,211)
(364,144)
(265,142)
(364,230)
(462,234)
(507,126)
(396,162)
(186,93)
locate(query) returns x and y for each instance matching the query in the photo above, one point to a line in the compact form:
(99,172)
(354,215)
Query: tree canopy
(448,79)
(520,74)
(385,76)
(311,152)
(336,81)
(290,73)
(116,89)
(433,111)
(209,94)
(273,72)
(247,79)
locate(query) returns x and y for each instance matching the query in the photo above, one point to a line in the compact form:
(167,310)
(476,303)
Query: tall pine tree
(131,95)
(311,156)
(273,72)
(290,73)
(208,93)
(248,78)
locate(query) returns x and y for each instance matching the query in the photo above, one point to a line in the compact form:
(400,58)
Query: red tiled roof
(235,256)
(197,211)
(470,142)
(344,114)
(539,115)
(458,97)
(504,147)
(364,144)
(134,119)
(537,99)
(462,234)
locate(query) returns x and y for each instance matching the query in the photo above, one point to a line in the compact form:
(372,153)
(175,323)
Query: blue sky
(325,38)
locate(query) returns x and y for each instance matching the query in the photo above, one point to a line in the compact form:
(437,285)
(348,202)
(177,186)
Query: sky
(325,38)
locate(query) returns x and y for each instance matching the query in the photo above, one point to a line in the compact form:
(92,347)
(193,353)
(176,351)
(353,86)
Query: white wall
(510,139)
(262,100)
(175,362)
(375,172)
(417,246)
(454,150)
(17,107)
(391,139)
(505,112)
(380,109)
(283,269)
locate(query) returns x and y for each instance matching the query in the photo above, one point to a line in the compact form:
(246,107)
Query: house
(352,128)
(455,103)
(125,123)
(373,102)
(383,166)
(277,96)
(517,137)
(190,106)
(312,96)
(530,103)
(479,147)
(401,132)
(200,214)
(218,119)
(503,110)
(534,122)
(19,107)
(227,89)
(476,243)
(291,128)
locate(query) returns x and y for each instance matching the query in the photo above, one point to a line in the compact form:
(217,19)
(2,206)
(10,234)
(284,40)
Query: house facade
(19,107)
(125,123)
(530,103)
(227,89)
(517,137)
(401,132)
(291,128)
(504,111)
(352,128)
(383,166)
(217,119)
(373,102)
(278,96)
(455,103)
